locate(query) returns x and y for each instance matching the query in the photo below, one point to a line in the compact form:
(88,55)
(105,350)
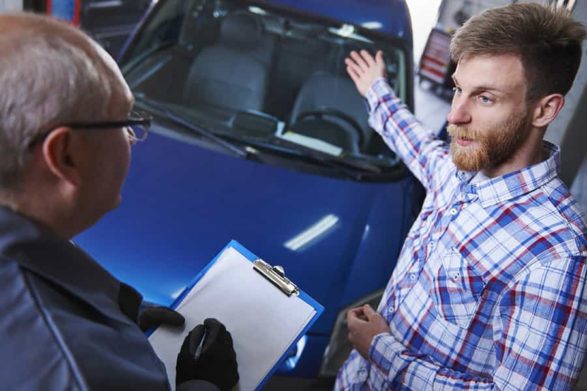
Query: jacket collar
(53,258)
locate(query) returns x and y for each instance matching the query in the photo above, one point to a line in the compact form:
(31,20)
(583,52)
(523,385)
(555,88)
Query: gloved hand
(214,361)
(155,316)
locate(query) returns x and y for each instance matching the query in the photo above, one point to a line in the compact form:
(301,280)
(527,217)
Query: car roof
(390,17)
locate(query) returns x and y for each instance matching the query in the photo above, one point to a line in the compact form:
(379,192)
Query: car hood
(183,203)
(389,16)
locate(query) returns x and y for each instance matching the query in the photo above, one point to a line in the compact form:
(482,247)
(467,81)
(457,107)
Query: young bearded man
(489,290)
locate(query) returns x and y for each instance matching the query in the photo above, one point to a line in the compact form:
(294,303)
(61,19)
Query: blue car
(260,136)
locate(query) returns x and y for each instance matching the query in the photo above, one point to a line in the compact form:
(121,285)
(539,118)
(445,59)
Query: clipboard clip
(276,275)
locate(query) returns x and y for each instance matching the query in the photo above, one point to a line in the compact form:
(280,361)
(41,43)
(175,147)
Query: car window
(110,22)
(253,72)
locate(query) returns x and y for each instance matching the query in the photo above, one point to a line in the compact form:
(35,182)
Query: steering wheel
(322,112)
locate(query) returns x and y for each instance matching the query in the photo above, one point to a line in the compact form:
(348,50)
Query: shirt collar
(514,184)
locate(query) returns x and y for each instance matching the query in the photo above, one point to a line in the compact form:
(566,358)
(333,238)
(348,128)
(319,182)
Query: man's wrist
(372,97)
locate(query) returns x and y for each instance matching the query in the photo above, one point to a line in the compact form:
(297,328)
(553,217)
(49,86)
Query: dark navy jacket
(61,325)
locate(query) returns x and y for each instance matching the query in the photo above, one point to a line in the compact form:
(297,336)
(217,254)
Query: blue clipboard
(275,280)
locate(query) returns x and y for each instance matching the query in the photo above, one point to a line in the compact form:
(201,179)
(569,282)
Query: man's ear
(547,109)
(60,156)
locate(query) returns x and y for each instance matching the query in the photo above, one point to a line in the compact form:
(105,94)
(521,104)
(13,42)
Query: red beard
(474,150)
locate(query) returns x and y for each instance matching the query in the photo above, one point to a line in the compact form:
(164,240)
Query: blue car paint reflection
(180,208)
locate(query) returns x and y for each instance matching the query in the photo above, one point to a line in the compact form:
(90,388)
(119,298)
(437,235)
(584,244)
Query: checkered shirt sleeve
(416,145)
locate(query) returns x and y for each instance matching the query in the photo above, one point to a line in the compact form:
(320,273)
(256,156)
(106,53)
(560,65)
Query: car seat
(227,74)
(336,110)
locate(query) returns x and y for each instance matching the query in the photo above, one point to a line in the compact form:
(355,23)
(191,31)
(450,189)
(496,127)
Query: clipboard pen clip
(276,275)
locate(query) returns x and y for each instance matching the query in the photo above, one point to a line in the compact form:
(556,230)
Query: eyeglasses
(137,125)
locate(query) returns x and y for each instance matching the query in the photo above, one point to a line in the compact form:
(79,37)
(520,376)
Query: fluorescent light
(310,234)
(372,25)
(257,10)
(292,361)
(366,231)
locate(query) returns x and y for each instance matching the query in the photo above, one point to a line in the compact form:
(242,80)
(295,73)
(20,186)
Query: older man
(490,288)
(65,140)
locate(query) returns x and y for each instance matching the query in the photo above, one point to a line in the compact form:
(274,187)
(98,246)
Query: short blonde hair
(546,39)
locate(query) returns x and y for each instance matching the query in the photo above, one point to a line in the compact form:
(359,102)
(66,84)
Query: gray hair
(47,78)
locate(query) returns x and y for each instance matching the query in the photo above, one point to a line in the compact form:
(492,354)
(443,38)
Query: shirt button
(432,245)
(456,276)
(453,211)
(412,276)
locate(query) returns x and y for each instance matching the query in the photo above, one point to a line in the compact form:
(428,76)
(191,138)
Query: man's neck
(41,211)
(529,155)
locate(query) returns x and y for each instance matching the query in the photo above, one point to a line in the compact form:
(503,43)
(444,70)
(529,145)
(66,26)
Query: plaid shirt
(489,289)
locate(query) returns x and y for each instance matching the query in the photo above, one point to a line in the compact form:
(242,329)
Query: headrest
(241,30)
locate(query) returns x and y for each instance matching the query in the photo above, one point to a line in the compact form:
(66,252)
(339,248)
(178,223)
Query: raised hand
(364,69)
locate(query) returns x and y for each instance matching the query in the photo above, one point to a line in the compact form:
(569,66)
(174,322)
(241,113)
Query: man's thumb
(369,311)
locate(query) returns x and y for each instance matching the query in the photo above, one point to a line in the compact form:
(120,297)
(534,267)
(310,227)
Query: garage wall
(424,16)
(10,5)
(570,129)
(450,8)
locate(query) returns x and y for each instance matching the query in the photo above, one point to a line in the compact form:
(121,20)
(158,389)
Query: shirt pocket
(457,290)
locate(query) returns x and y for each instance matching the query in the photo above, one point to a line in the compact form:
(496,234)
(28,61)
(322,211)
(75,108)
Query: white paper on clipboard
(263,321)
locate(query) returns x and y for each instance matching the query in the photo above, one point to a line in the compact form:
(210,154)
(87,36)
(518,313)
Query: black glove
(155,316)
(216,358)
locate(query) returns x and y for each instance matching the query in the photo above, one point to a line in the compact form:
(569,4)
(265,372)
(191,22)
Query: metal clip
(276,275)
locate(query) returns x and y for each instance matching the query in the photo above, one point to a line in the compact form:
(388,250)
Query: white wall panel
(10,5)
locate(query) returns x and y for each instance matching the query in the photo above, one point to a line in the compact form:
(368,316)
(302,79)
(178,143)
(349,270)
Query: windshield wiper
(350,166)
(276,145)
(194,127)
(205,133)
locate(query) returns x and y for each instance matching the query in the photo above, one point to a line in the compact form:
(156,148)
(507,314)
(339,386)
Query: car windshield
(255,73)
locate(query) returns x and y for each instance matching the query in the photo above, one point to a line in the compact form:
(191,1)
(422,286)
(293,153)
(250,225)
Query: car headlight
(339,347)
